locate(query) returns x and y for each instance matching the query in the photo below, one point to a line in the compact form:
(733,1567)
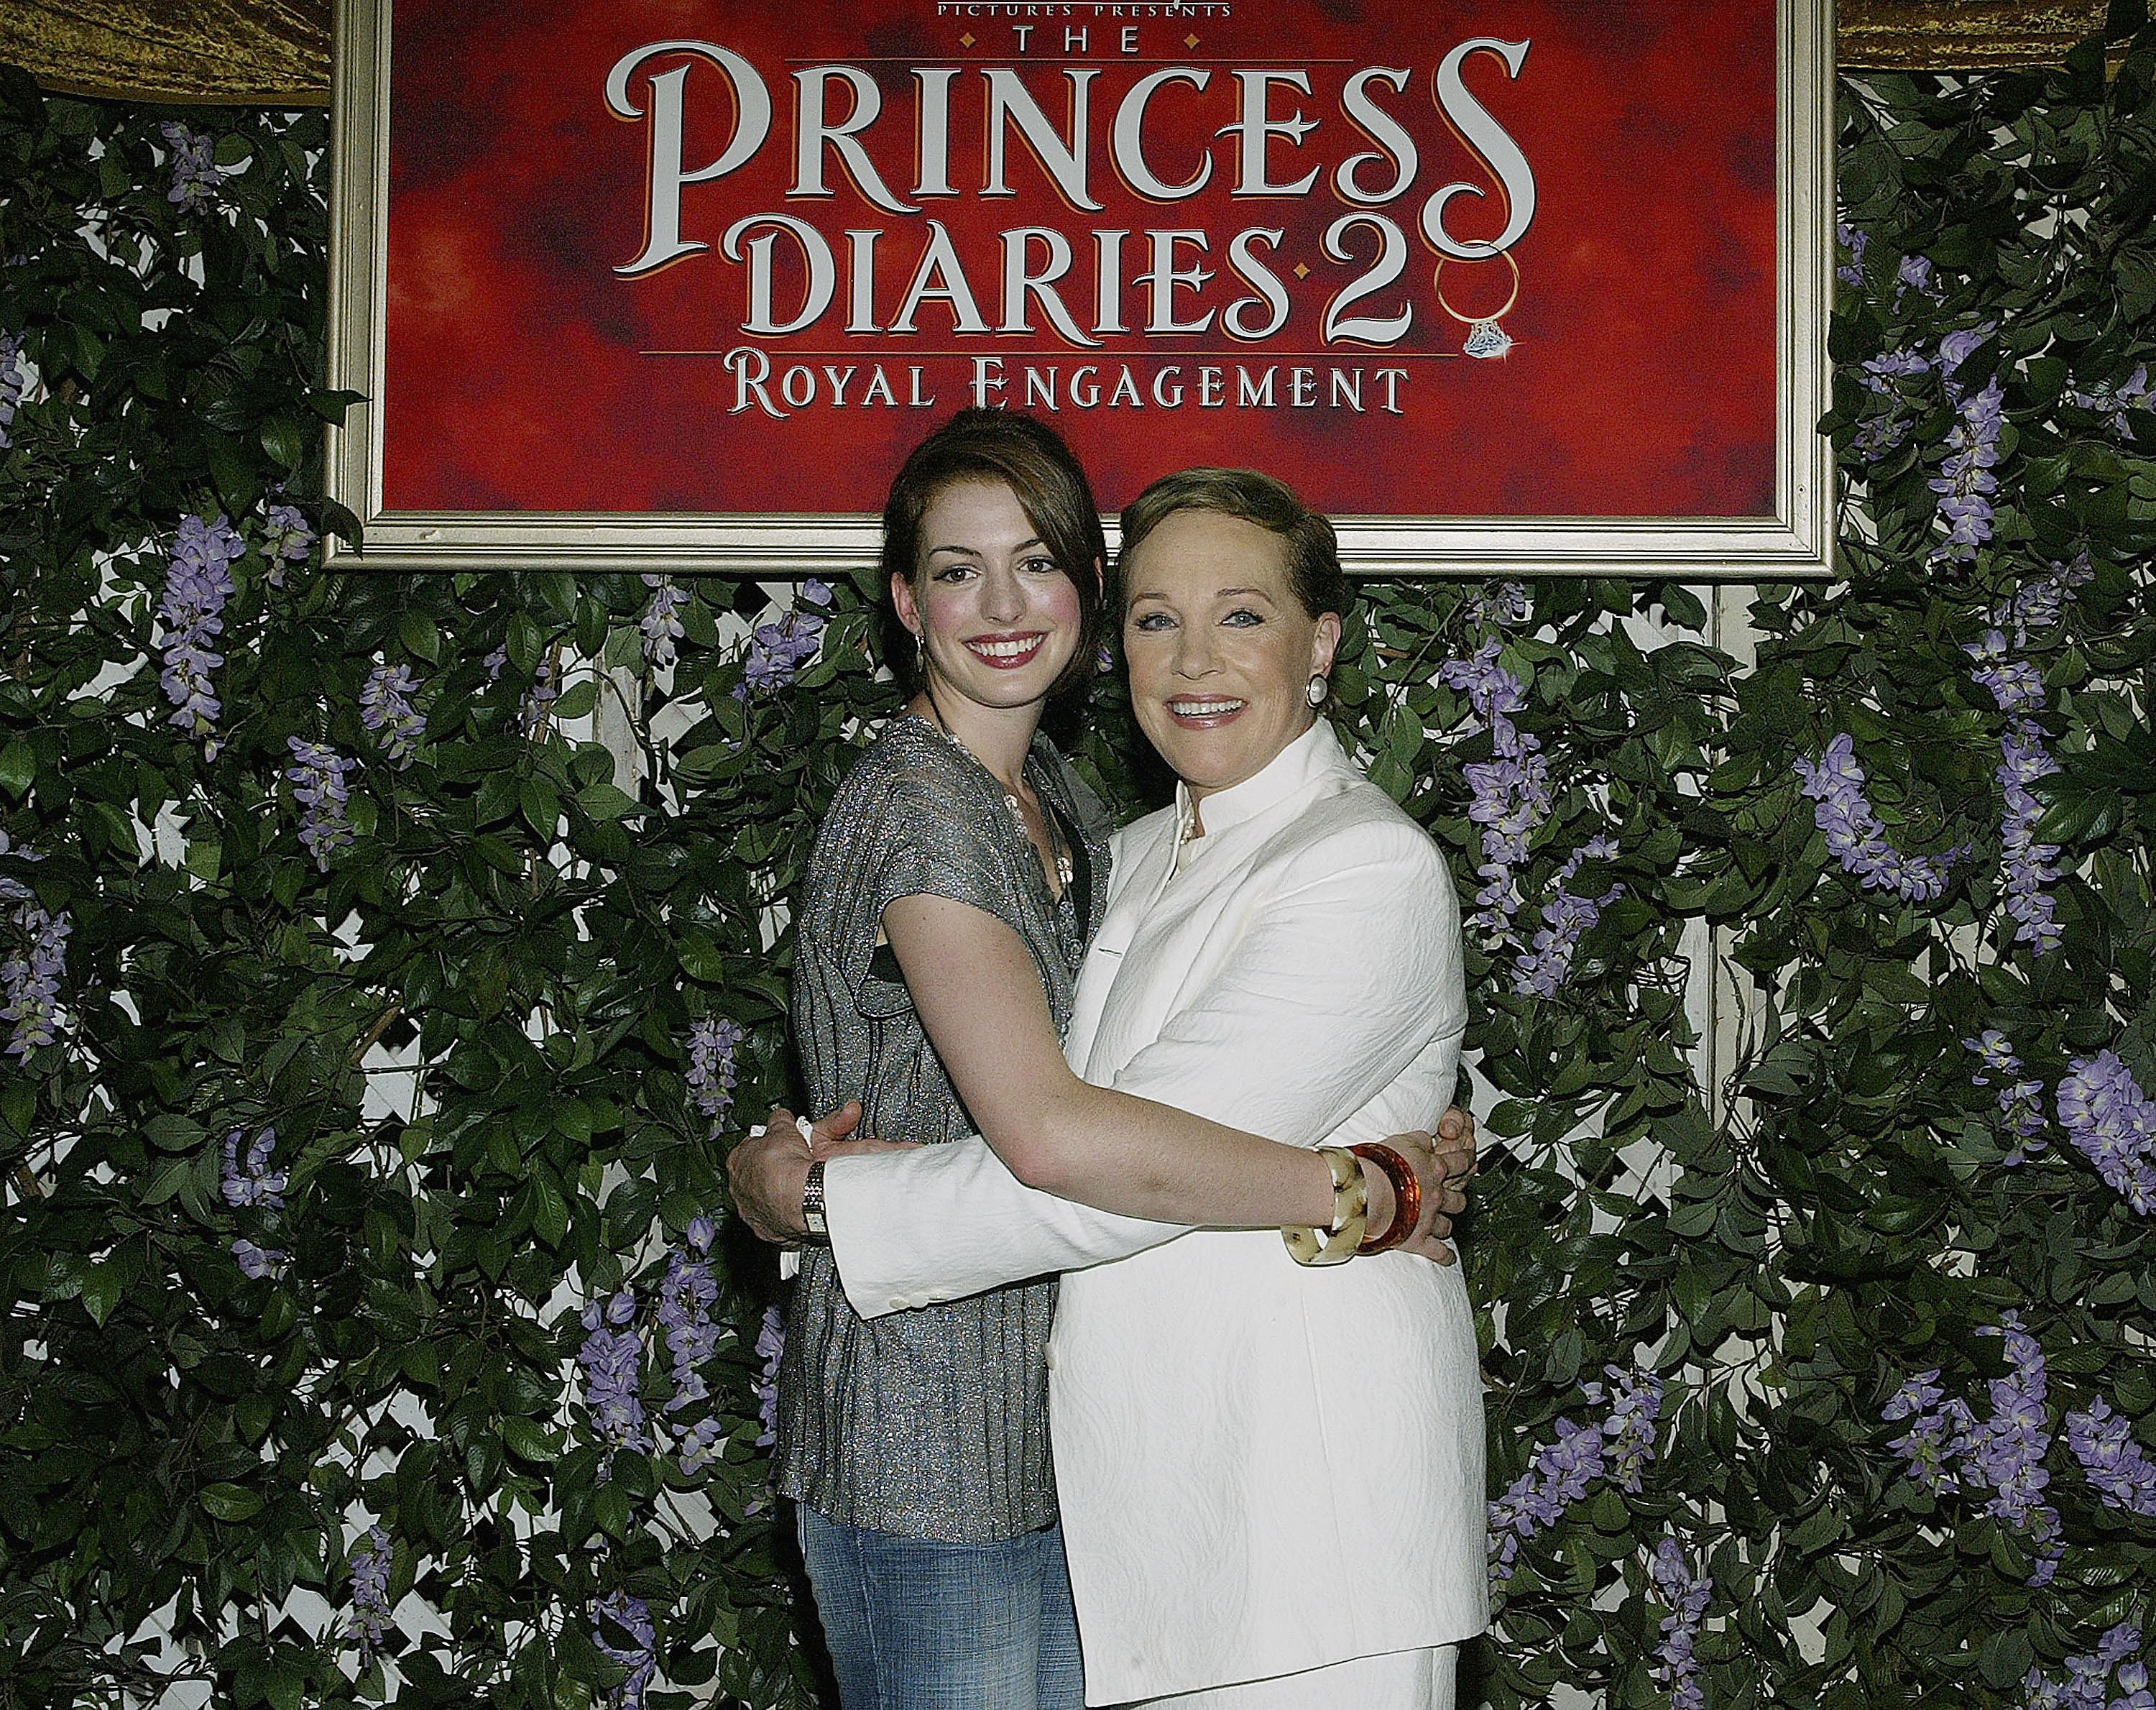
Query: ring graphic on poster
(1486,337)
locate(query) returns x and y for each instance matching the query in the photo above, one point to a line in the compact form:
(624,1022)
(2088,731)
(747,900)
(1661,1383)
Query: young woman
(963,861)
(1270,1476)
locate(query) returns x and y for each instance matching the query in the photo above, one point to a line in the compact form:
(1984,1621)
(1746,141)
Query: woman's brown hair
(1313,551)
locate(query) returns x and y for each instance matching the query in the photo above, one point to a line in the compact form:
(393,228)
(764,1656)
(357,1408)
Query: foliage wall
(369,1043)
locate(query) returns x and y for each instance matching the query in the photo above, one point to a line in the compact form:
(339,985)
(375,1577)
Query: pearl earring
(1316,693)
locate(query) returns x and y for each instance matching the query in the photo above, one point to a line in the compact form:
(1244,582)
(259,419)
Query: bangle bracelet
(1407,1196)
(1335,1246)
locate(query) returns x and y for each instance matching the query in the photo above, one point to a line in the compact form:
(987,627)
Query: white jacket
(1262,1468)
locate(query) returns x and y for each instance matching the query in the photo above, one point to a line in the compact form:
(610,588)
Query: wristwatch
(812,1205)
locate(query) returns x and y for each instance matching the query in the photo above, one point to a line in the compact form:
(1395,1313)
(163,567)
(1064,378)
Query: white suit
(1262,1468)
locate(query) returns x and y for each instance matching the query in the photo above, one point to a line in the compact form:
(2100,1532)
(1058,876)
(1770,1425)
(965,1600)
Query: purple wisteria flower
(2020,1099)
(1685,1594)
(1948,1449)
(713,1071)
(1938,1430)
(2085,1686)
(35,964)
(659,625)
(2118,1468)
(1545,965)
(629,1617)
(1879,436)
(2028,866)
(2041,602)
(1881,371)
(776,651)
(1958,346)
(770,1348)
(317,776)
(286,539)
(1513,794)
(12,383)
(686,1295)
(1537,1500)
(1854,835)
(2007,1450)
(256,1262)
(2014,684)
(537,705)
(1631,1427)
(2113,399)
(612,1361)
(1499,605)
(195,171)
(385,706)
(31,973)
(1965,482)
(1620,1449)
(2107,1116)
(495,661)
(253,1183)
(197,584)
(1916,274)
(1856,240)
(370,1564)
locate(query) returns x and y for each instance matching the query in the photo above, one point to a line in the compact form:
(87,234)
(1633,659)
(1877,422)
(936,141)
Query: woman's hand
(767,1173)
(1443,1164)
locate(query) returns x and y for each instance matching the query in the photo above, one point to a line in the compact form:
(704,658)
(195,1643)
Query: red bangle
(1407,1196)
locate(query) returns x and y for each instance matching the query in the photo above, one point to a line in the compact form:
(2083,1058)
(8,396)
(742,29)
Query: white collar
(1310,757)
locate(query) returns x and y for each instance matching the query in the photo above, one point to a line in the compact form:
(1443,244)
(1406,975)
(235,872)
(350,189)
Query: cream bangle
(1350,1209)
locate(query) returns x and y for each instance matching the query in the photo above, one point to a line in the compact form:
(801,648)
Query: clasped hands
(768,1171)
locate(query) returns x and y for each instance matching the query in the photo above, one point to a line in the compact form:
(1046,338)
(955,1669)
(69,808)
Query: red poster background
(524,373)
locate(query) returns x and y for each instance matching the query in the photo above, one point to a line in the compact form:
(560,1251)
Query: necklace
(1065,870)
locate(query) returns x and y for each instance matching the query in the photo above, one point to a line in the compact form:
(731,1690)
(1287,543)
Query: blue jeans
(913,1624)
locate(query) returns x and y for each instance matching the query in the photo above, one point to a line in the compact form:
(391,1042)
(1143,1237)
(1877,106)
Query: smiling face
(1000,617)
(1221,651)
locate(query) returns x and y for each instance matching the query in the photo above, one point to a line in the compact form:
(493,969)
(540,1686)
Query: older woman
(1271,1475)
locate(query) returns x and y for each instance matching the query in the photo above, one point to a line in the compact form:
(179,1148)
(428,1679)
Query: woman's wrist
(1405,1192)
(1333,1241)
(1379,1197)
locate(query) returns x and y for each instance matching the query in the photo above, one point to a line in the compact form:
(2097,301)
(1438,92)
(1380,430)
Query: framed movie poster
(1501,285)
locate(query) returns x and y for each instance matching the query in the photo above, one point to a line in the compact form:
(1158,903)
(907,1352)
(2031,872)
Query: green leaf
(421,636)
(19,768)
(550,1207)
(170,1132)
(100,1292)
(602,801)
(528,1440)
(231,1501)
(541,807)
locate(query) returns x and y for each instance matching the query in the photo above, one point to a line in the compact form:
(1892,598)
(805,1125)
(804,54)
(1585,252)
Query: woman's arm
(978,995)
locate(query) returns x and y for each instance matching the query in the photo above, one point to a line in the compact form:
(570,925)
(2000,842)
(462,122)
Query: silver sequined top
(933,1423)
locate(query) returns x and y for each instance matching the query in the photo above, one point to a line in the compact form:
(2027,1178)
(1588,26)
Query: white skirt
(1398,1680)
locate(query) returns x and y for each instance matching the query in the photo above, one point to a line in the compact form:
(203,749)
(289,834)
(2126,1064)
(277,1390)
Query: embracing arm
(1351,974)
(978,995)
